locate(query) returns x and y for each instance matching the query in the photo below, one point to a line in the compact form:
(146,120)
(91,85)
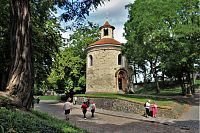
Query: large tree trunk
(20,81)
(181,82)
(155,75)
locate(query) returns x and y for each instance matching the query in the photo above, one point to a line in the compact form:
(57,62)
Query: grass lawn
(163,91)
(197,82)
(162,102)
(174,90)
(49,97)
(17,121)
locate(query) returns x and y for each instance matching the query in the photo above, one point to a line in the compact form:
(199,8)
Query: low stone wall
(128,106)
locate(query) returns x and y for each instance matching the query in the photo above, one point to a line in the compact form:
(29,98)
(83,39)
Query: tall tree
(46,40)
(69,70)
(158,33)
(20,80)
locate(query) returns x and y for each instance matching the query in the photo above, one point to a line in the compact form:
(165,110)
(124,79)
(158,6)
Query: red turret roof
(106,41)
(107,25)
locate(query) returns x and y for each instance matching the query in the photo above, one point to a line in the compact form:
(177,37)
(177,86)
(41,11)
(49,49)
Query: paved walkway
(106,121)
(191,119)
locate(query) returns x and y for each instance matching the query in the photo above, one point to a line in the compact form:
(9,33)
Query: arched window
(90,62)
(119,59)
(106,32)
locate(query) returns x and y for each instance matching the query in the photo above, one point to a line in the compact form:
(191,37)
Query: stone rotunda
(106,70)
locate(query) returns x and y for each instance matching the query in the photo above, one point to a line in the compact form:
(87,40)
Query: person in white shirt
(92,108)
(75,100)
(147,108)
(67,108)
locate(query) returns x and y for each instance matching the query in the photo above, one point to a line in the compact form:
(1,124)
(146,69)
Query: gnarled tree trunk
(20,81)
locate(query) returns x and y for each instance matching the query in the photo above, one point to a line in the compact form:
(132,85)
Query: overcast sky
(116,14)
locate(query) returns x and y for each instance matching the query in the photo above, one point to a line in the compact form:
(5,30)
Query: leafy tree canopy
(68,74)
(164,32)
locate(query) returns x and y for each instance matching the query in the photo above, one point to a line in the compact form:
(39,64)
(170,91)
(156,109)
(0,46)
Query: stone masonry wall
(127,106)
(100,77)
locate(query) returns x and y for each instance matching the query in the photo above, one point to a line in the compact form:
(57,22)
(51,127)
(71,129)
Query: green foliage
(68,74)
(46,39)
(165,33)
(76,11)
(27,122)
(4,41)
(1,129)
(197,82)
(44,35)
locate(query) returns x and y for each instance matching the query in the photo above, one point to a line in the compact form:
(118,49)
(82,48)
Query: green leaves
(69,69)
(166,29)
(164,34)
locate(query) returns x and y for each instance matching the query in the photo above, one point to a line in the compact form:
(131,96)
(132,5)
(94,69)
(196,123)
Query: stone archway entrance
(121,80)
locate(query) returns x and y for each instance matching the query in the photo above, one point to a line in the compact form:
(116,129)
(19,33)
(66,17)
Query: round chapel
(107,69)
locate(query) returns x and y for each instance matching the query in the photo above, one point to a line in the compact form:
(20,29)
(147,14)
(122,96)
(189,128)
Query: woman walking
(147,108)
(154,107)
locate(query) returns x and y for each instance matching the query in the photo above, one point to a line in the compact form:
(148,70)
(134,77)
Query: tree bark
(182,83)
(155,75)
(20,80)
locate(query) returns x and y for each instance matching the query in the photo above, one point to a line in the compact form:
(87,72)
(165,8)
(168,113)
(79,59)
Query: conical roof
(107,25)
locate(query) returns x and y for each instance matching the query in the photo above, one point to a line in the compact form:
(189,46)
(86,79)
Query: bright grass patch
(33,122)
(133,98)
(49,97)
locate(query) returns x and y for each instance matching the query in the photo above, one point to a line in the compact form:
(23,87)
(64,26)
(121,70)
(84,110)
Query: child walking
(92,108)
(67,107)
(84,109)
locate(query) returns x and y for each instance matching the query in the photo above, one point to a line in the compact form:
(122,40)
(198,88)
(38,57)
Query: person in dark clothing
(88,101)
(38,100)
(84,107)
(32,102)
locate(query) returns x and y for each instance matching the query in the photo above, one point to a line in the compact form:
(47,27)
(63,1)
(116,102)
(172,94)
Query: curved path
(190,119)
(112,122)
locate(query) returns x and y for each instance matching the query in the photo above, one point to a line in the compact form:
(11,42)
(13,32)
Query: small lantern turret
(107,30)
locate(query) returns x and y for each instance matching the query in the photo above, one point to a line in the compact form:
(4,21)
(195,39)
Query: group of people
(86,106)
(150,109)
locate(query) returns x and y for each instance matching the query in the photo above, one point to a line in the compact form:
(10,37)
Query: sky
(114,11)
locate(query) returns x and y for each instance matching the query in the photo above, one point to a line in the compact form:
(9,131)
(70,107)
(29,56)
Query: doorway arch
(121,80)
